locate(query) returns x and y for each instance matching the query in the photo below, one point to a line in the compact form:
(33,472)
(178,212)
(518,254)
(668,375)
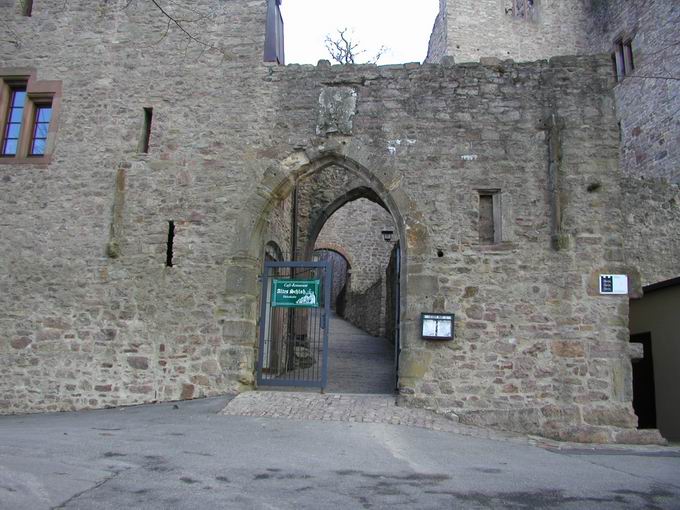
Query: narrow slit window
(41,126)
(170,245)
(615,66)
(628,56)
(146,133)
(26,7)
(15,114)
(489,217)
(622,60)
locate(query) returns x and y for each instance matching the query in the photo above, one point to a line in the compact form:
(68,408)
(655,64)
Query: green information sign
(295,293)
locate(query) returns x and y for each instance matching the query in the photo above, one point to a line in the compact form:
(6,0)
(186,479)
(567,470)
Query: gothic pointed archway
(277,185)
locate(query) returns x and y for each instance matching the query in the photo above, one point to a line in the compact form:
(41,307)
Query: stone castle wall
(357,228)
(80,329)
(647,102)
(536,348)
(366,309)
(436,48)
(487,28)
(648,99)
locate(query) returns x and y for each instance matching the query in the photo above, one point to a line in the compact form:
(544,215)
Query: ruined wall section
(537,347)
(356,227)
(366,310)
(437,46)
(487,28)
(280,227)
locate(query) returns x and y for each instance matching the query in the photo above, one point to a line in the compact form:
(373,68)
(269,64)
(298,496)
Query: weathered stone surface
(567,349)
(622,416)
(524,420)
(642,436)
(584,434)
(337,108)
(20,342)
(138,362)
(187,391)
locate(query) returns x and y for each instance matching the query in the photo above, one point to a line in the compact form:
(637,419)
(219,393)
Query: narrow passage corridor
(357,361)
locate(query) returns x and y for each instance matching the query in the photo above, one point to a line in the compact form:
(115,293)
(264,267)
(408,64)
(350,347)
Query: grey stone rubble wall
(356,229)
(485,28)
(648,100)
(280,227)
(537,349)
(78,329)
(652,216)
(647,109)
(340,273)
(366,310)
(436,48)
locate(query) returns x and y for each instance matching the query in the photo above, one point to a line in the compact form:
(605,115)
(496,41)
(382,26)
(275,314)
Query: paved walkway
(358,362)
(186,455)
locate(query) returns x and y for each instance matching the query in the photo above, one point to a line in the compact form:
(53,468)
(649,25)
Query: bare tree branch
(345,51)
(179,24)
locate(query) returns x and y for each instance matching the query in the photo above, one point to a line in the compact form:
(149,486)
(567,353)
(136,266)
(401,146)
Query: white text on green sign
(295,293)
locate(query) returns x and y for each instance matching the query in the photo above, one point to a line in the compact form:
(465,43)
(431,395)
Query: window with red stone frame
(28,112)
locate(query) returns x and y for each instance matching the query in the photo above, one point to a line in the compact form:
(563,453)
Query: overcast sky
(403,26)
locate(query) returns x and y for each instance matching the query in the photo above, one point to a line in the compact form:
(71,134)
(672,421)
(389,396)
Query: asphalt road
(188,456)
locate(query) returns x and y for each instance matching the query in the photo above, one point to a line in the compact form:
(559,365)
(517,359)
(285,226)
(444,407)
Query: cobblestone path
(349,408)
(361,383)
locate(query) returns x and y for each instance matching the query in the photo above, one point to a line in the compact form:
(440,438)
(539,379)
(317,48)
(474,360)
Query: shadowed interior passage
(357,361)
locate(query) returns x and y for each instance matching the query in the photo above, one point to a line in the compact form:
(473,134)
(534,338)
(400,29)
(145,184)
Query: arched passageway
(361,345)
(359,360)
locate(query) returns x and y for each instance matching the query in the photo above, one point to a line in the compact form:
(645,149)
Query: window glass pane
(41,130)
(44,114)
(16,115)
(38,148)
(10,148)
(13,130)
(19,98)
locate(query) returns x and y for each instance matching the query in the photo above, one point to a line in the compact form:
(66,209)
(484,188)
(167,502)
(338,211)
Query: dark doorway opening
(644,395)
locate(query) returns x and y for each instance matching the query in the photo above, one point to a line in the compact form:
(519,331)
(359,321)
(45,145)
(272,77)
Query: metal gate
(294,318)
